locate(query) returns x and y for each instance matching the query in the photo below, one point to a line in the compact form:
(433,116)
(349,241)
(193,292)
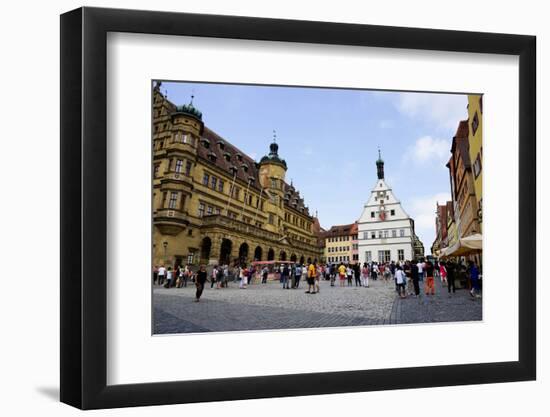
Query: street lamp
(165,245)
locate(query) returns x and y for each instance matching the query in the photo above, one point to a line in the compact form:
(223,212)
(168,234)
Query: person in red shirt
(429,287)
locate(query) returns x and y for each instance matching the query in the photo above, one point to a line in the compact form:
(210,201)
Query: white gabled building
(386,232)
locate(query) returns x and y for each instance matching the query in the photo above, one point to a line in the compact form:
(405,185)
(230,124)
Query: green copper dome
(273,156)
(190,110)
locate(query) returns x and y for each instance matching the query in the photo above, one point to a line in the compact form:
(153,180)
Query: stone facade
(212,203)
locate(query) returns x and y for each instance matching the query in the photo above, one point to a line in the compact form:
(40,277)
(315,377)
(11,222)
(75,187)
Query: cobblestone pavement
(443,307)
(268,306)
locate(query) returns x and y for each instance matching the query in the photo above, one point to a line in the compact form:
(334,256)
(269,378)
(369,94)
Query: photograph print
(285,207)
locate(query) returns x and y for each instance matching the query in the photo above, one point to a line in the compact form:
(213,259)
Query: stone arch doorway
(258,253)
(302,260)
(293,257)
(225,251)
(206,246)
(270,254)
(243,252)
(282,256)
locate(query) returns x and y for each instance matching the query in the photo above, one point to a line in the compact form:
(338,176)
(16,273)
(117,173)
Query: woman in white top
(242,276)
(400,280)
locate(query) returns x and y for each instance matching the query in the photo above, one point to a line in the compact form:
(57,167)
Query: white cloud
(422,210)
(441,110)
(428,149)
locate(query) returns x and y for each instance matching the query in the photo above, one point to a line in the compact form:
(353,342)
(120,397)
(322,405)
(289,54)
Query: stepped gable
(293,199)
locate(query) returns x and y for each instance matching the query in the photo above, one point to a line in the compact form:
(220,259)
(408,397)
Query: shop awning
(465,246)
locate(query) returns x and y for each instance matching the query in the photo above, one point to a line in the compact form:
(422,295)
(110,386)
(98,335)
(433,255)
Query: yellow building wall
(338,248)
(475,110)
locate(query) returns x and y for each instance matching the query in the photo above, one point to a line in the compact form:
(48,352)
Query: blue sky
(330,140)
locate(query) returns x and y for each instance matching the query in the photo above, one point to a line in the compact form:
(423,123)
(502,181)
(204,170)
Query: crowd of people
(408,276)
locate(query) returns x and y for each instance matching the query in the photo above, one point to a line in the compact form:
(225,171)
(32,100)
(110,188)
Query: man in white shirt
(162,274)
(420,266)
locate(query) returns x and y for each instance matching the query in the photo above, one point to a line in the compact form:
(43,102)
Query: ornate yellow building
(214,204)
(475,142)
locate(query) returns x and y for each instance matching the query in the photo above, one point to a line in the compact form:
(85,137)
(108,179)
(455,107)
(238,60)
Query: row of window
(179,137)
(214,182)
(181,166)
(227,156)
(384,256)
(208,210)
(297,221)
(341,238)
(344,258)
(373,214)
(384,234)
(218,184)
(338,239)
(338,249)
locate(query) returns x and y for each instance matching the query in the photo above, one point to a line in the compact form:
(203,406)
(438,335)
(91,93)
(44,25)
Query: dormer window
(221,144)
(244,167)
(227,156)
(239,157)
(212,156)
(205,142)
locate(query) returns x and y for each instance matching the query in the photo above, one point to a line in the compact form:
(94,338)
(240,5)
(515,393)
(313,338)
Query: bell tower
(272,180)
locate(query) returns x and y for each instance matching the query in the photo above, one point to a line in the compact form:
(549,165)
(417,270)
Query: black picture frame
(84,207)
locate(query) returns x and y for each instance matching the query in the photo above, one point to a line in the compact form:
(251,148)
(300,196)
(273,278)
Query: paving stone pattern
(268,307)
(443,307)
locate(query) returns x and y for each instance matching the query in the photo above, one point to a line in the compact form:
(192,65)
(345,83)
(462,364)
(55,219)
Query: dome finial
(274,136)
